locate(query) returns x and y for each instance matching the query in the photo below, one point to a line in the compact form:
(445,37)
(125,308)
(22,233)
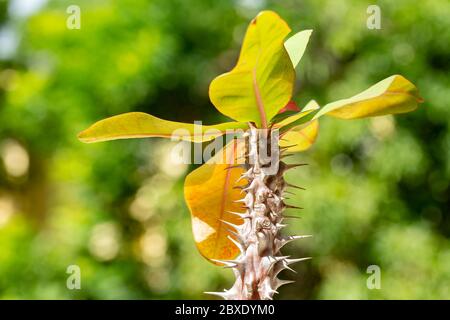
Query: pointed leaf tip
(393,95)
(143,125)
(296,45)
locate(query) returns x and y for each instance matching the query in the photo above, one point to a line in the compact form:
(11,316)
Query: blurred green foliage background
(377,190)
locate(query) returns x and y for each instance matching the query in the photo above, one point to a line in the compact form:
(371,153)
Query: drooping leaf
(143,125)
(390,96)
(262,81)
(301,137)
(210,195)
(296,45)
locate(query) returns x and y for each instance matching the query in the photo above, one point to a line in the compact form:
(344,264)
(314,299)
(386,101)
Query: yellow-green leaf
(390,96)
(143,125)
(262,81)
(210,195)
(301,137)
(296,45)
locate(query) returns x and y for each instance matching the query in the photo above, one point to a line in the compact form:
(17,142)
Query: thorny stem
(258,237)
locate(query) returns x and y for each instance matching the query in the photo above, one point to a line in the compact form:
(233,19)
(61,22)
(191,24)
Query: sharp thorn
(281,267)
(288,206)
(280,243)
(243,215)
(292,238)
(280,283)
(238,244)
(291,217)
(274,260)
(280,258)
(294,186)
(236,227)
(237,235)
(287,147)
(239,214)
(291,261)
(286,267)
(226,263)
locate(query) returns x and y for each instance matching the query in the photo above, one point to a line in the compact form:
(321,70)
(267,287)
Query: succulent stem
(258,237)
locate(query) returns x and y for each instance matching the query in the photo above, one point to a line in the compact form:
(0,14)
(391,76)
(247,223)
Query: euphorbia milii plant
(238,209)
